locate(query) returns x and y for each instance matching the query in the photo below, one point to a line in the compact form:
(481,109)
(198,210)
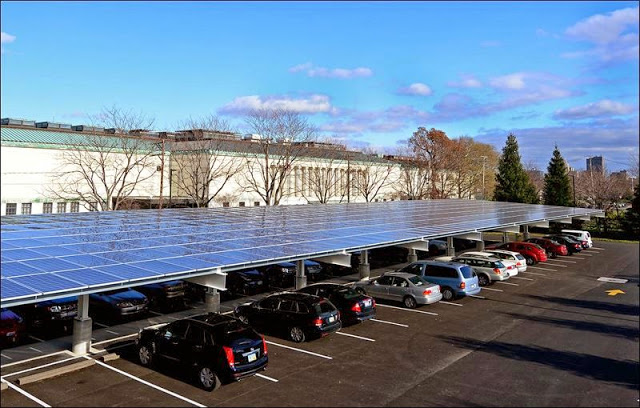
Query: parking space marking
(226,313)
(39,367)
(155,313)
(300,350)
(35,349)
(39,357)
(36,339)
(7,357)
(495,290)
(555,265)
(535,273)
(540,267)
(26,394)
(112,332)
(449,303)
(477,297)
(507,283)
(580,257)
(386,322)
(353,335)
(265,377)
(407,310)
(599,249)
(121,346)
(560,260)
(133,377)
(99,324)
(520,277)
(115,339)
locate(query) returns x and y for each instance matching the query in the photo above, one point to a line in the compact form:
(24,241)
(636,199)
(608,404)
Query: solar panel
(84,249)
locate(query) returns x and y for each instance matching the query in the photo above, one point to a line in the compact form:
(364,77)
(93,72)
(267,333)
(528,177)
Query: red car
(554,248)
(12,328)
(533,253)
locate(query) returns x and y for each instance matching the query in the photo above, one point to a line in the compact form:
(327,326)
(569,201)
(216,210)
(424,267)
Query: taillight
(426,292)
(496,270)
(229,353)
(318,321)
(356,308)
(264,346)
(373,302)
(462,285)
(519,264)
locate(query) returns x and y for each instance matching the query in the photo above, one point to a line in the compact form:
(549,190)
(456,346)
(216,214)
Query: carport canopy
(57,255)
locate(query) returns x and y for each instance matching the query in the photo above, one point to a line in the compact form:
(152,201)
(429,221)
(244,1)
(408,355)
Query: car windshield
(418,280)
(467,271)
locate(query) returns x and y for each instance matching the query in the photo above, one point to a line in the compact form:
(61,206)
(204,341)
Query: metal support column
(480,244)
(212,300)
(363,268)
(301,279)
(82,323)
(451,251)
(413,256)
(505,237)
(525,229)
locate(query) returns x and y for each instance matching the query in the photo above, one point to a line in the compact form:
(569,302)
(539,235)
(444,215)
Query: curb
(55,372)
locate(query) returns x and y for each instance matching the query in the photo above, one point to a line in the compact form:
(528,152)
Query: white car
(510,263)
(521,262)
(488,269)
(582,236)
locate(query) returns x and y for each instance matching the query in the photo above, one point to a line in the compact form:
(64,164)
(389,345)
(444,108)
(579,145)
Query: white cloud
(311,104)
(466,81)
(7,38)
(416,89)
(341,73)
(605,107)
(509,82)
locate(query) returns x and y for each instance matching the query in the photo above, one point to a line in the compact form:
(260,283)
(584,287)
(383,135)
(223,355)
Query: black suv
(295,315)
(246,282)
(217,347)
(354,307)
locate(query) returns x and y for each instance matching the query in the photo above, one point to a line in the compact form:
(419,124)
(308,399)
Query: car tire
(483,280)
(296,334)
(409,302)
(145,355)
(207,378)
(448,294)
(530,260)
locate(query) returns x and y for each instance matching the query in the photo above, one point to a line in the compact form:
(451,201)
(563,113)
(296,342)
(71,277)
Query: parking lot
(551,336)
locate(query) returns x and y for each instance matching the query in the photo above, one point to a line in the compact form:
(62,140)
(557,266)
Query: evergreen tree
(631,222)
(557,190)
(512,182)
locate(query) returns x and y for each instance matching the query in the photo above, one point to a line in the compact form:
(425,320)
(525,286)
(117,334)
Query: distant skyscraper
(595,163)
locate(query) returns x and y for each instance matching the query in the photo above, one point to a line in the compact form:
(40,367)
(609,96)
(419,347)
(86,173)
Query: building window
(225,204)
(241,204)
(75,206)
(11,209)
(26,208)
(47,208)
(62,207)
(256,203)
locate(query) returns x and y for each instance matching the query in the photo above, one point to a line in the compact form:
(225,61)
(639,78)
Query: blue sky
(368,73)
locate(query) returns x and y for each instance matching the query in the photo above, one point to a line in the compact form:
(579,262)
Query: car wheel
(243,319)
(145,355)
(361,291)
(447,294)
(207,378)
(296,334)
(530,260)
(483,280)
(409,302)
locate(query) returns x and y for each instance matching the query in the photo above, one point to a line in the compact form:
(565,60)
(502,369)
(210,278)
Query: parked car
(410,289)
(455,279)
(246,282)
(572,244)
(118,303)
(437,247)
(503,254)
(583,236)
(312,269)
(511,264)
(533,253)
(218,348)
(165,295)
(298,316)
(280,275)
(50,314)
(12,328)
(553,248)
(354,307)
(487,269)
(385,256)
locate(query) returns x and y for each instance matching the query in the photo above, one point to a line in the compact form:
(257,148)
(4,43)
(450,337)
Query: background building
(595,163)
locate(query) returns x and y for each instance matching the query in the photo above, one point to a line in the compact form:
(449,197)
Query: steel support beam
(81,342)
(471,236)
(339,259)
(422,245)
(562,220)
(540,224)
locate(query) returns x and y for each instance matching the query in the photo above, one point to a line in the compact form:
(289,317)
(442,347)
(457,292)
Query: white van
(583,236)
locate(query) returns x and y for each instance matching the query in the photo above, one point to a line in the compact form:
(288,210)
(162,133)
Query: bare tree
(370,178)
(202,162)
(271,156)
(434,147)
(103,170)
(597,189)
(536,176)
(413,175)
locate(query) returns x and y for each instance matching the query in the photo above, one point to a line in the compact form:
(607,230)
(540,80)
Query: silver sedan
(411,290)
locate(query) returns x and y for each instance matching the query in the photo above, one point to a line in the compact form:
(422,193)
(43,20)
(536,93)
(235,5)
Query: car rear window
(348,293)
(467,271)
(520,257)
(417,280)
(497,264)
(323,307)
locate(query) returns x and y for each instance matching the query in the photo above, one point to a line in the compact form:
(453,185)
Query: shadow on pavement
(631,310)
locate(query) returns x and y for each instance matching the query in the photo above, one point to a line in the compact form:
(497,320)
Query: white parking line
(100,324)
(26,394)
(555,265)
(35,349)
(507,283)
(226,313)
(36,339)
(599,249)
(477,297)
(266,378)
(580,257)
(155,313)
(540,267)
(39,367)
(560,260)
(407,310)
(133,377)
(449,303)
(38,358)
(520,277)
(353,335)
(495,290)
(534,273)
(112,332)
(300,350)
(386,322)
(114,339)
(5,356)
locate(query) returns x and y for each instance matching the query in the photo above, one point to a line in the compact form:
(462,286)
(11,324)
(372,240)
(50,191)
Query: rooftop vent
(21,122)
(84,128)
(52,125)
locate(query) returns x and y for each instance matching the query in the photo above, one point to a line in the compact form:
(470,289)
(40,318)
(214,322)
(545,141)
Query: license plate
(367,302)
(332,319)
(473,285)
(252,357)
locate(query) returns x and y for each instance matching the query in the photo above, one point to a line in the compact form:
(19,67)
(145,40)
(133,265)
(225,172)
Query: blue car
(455,279)
(119,303)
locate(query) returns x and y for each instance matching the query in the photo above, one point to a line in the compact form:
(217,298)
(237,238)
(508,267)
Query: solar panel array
(71,254)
